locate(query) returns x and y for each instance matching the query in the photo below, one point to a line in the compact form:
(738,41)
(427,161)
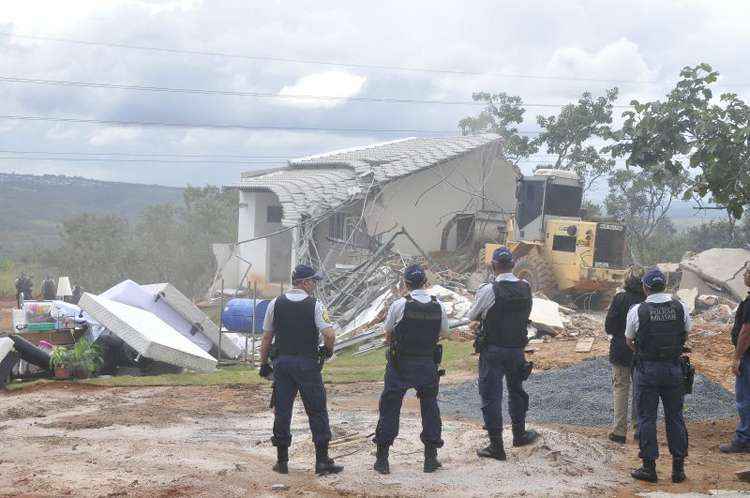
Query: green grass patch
(346,368)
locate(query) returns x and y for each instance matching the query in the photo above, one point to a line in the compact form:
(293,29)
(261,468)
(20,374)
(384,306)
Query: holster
(688,374)
(437,354)
(480,340)
(392,354)
(272,403)
(526,368)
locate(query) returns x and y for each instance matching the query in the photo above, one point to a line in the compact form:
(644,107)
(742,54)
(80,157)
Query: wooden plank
(584,345)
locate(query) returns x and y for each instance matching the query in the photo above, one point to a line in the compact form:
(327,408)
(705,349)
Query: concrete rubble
(719,267)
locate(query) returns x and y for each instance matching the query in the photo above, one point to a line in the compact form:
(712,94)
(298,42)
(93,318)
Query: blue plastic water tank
(237,315)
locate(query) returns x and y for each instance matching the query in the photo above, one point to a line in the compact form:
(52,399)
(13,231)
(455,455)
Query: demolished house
(335,209)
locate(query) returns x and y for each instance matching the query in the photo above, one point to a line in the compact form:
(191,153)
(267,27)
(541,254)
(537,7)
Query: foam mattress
(190,312)
(132,294)
(6,346)
(148,334)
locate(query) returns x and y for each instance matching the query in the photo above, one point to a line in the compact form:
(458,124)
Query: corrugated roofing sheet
(315,184)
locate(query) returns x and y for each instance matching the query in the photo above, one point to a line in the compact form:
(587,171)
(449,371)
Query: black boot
(431,463)
(323,464)
(282,457)
(678,470)
(494,450)
(647,472)
(381,460)
(522,437)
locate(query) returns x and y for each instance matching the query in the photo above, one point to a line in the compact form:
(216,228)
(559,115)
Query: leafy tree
(718,234)
(95,250)
(501,115)
(569,136)
(642,199)
(689,133)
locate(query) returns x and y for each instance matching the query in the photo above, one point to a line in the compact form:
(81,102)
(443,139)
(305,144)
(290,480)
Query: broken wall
(426,201)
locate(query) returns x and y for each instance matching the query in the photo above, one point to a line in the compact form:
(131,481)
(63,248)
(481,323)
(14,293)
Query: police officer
(501,312)
(741,368)
(413,327)
(656,330)
(49,289)
(294,322)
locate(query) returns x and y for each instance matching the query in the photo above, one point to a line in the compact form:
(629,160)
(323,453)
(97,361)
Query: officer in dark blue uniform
(293,324)
(656,330)
(413,327)
(501,313)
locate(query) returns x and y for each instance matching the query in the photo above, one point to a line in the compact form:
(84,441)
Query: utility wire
(269,95)
(228,126)
(168,50)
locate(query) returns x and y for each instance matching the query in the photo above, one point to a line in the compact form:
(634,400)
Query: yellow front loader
(556,250)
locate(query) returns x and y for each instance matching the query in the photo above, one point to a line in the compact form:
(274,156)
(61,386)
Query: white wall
(266,255)
(464,184)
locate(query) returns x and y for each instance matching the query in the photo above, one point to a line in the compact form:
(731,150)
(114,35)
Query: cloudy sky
(252,56)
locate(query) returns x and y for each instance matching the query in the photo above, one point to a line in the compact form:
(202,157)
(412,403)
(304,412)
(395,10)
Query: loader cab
(547,193)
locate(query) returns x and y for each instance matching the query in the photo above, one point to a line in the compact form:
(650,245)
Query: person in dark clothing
(413,327)
(293,324)
(28,287)
(20,284)
(620,355)
(77,293)
(741,368)
(49,289)
(501,313)
(656,330)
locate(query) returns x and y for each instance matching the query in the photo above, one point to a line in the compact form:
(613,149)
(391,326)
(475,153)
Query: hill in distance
(32,207)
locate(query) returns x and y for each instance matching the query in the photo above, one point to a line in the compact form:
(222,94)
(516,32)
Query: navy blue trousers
(663,380)
(496,362)
(420,374)
(742,390)
(299,373)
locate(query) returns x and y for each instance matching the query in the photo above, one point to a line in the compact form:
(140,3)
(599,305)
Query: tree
(96,251)
(501,115)
(688,133)
(641,200)
(569,136)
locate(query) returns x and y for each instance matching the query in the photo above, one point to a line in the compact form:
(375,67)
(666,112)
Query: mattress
(132,294)
(146,333)
(190,312)
(6,346)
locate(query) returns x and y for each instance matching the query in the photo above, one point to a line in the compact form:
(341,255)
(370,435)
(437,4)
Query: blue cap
(304,272)
(502,255)
(414,274)
(654,277)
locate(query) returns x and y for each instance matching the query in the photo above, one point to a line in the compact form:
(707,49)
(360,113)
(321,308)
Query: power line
(320,62)
(269,95)
(149,161)
(229,126)
(150,154)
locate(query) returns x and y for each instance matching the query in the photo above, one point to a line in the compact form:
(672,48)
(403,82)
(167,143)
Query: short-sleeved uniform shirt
(396,312)
(296,295)
(632,323)
(741,318)
(485,297)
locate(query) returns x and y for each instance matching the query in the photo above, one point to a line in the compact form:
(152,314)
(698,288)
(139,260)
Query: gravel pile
(582,395)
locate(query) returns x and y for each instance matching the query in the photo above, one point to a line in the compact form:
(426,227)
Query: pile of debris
(137,328)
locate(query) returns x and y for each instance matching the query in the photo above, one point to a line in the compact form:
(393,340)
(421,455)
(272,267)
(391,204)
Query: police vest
(419,330)
(505,322)
(295,332)
(661,331)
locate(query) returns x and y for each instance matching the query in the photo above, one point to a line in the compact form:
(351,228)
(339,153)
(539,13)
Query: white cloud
(340,84)
(620,60)
(114,135)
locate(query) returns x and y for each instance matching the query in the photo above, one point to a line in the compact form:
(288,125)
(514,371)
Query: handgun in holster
(688,374)
(437,357)
(480,340)
(273,353)
(323,355)
(392,354)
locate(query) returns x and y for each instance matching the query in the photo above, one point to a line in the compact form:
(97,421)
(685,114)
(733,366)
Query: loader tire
(538,272)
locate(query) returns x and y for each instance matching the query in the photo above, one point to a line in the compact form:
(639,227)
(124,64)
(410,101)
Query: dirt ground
(77,440)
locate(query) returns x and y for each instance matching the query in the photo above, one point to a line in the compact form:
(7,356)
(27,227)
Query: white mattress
(149,335)
(132,294)
(6,346)
(190,312)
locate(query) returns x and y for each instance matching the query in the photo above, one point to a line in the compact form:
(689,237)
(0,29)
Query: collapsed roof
(316,184)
